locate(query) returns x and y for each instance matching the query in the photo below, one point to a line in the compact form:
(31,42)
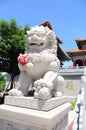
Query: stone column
(74,63)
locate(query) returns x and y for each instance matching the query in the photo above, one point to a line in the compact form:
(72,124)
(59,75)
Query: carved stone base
(20,118)
(30,102)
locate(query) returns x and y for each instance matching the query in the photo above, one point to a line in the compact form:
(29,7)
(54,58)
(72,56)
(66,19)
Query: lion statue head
(39,38)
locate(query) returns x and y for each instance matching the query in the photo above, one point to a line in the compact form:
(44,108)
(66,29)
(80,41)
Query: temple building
(60,53)
(78,56)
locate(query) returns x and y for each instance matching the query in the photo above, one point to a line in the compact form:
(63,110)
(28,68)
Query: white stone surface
(30,102)
(39,65)
(39,68)
(16,118)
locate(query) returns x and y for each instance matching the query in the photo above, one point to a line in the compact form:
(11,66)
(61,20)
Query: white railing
(80,110)
(72,69)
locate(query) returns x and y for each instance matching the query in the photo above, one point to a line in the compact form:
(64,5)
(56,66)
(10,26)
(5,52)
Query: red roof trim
(80,40)
(75,51)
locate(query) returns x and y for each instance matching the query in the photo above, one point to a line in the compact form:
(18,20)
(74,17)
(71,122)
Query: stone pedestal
(26,113)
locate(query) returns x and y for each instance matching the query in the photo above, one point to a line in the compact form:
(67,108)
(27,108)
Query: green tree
(2,82)
(11,44)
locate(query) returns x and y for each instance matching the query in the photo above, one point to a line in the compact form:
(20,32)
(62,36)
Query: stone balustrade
(80,110)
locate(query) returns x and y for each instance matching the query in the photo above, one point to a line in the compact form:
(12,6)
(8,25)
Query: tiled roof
(80,40)
(62,55)
(80,43)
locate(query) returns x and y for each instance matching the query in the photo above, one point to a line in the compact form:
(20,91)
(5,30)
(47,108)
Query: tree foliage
(11,44)
(2,82)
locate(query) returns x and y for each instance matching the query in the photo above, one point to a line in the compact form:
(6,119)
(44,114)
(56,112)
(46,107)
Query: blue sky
(67,17)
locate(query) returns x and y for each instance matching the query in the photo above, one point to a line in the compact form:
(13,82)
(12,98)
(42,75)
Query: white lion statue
(39,65)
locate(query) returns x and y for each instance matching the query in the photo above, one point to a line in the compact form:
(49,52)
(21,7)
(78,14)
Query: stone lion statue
(39,65)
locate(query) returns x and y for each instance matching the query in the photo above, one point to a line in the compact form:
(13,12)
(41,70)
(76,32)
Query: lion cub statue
(39,65)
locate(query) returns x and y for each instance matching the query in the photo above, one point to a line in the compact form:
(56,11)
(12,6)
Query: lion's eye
(42,43)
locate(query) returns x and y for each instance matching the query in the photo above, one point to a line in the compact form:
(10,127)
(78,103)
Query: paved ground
(84,121)
(71,117)
(85,111)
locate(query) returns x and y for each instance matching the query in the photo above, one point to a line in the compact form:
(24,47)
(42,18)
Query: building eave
(80,43)
(60,53)
(47,23)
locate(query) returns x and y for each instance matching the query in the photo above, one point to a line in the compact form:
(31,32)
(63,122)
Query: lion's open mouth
(34,44)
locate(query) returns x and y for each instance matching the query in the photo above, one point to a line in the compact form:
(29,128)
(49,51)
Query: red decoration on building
(78,56)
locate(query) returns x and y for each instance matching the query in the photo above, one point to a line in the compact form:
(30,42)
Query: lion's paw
(15,92)
(43,94)
(58,94)
(43,83)
(40,83)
